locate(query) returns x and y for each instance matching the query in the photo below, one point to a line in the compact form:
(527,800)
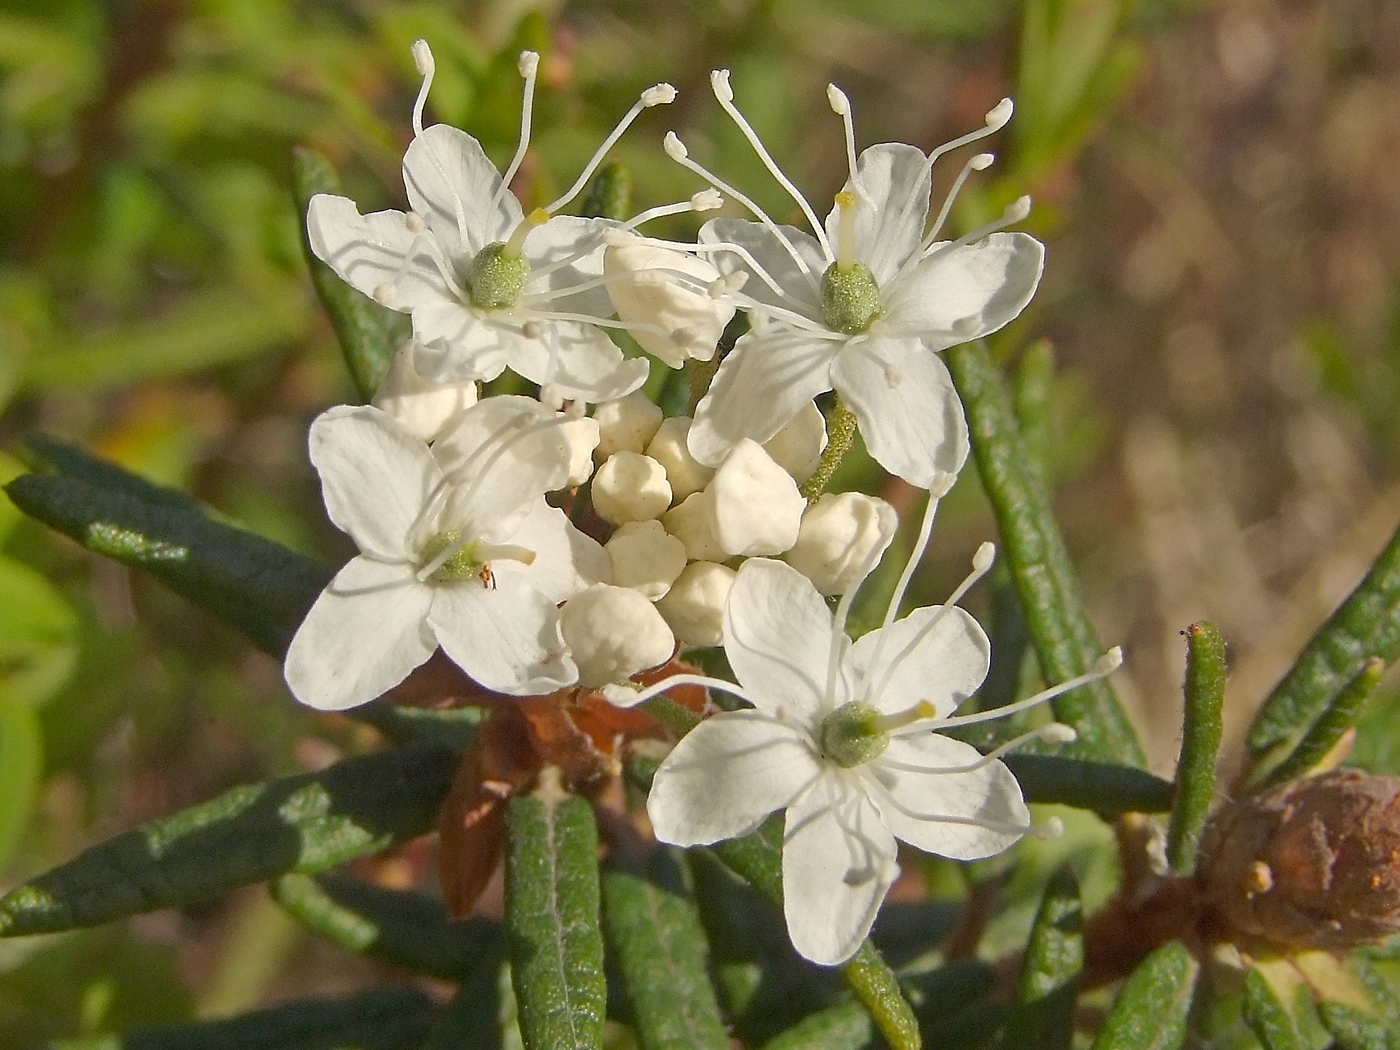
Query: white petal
(368,253)
(967,292)
(909,800)
(450,182)
(362,637)
(777,636)
(375,477)
(507,639)
(838,864)
(766,249)
(891,208)
(561,237)
(765,380)
(726,775)
(566,561)
(941,657)
(580,361)
(460,343)
(905,406)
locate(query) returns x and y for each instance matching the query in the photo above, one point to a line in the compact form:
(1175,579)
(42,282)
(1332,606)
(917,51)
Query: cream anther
(999,114)
(707,200)
(385,293)
(1051,829)
(735,281)
(1059,733)
(414,223)
(719,84)
(532,330)
(840,104)
(982,560)
(528,63)
(674,147)
(1017,209)
(1109,661)
(982,161)
(658,95)
(718,288)
(423,58)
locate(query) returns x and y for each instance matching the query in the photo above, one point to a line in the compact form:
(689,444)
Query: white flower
(839,736)
(666,293)
(861,306)
(488,286)
(425,409)
(457,549)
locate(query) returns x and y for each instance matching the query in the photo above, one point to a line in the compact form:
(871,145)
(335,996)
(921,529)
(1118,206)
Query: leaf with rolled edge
(655,939)
(250,834)
(368,333)
(610,193)
(843,1027)
(1366,625)
(1313,748)
(1200,744)
(254,584)
(1354,1029)
(552,909)
(51,455)
(1064,638)
(398,927)
(382,1019)
(1104,788)
(1267,1017)
(1152,1007)
(1043,1013)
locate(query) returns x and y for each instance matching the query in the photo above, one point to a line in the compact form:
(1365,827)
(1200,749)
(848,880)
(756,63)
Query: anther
(528,63)
(532,330)
(658,95)
(674,147)
(1051,829)
(1017,209)
(840,104)
(719,84)
(414,222)
(999,114)
(982,560)
(707,200)
(1059,733)
(1109,661)
(982,161)
(385,293)
(423,58)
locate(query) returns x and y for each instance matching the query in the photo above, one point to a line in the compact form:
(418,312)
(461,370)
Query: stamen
(978,162)
(634,697)
(938,488)
(1103,667)
(529,67)
(1054,732)
(1052,828)
(423,62)
(657,95)
(846,230)
(719,83)
(838,624)
(841,106)
(1014,213)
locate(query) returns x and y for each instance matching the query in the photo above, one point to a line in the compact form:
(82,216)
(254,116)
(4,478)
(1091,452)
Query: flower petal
(375,477)
(967,292)
(566,561)
(726,775)
(506,639)
(911,802)
(932,654)
(368,252)
(362,637)
(563,237)
(777,636)
(579,361)
(801,291)
(460,343)
(838,864)
(891,207)
(451,182)
(905,405)
(764,381)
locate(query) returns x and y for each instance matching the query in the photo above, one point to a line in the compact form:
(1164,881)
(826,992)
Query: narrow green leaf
(1108,790)
(1366,625)
(556,948)
(1325,733)
(1267,1017)
(1200,744)
(1043,1013)
(843,1027)
(405,929)
(956,1003)
(258,586)
(51,455)
(252,833)
(21,769)
(1354,1029)
(368,333)
(1059,628)
(654,935)
(383,1019)
(1152,1006)
(610,193)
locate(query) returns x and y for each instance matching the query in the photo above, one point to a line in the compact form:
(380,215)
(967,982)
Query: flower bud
(630,487)
(613,633)
(694,606)
(690,522)
(625,425)
(798,447)
(645,557)
(755,508)
(683,471)
(654,287)
(841,537)
(1312,864)
(423,408)
(581,434)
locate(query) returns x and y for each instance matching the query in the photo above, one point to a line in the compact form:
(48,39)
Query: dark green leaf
(1354,1029)
(1108,790)
(249,834)
(1152,1006)
(1059,628)
(474,1018)
(952,1003)
(384,1019)
(843,1027)
(556,948)
(1366,625)
(1325,733)
(368,333)
(1043,1013)
(610,193)
(1200,744)
(654,936)
(1267,1017)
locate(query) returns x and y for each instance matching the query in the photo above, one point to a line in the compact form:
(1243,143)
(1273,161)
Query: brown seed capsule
(1312,864)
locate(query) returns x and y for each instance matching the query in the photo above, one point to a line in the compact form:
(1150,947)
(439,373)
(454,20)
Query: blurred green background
(1215,182)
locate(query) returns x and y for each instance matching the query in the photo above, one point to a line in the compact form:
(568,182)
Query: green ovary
(853,734)
(462,565)
(497,277)
(850,298)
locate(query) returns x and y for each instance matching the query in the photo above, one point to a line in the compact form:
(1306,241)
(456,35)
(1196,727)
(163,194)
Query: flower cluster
(680,532)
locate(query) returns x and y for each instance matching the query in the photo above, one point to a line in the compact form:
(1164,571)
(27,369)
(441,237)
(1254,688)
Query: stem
(840,430)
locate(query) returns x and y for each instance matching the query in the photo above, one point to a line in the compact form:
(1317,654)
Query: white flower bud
(630,487)
(645,557)
(661,287)
(755,508)
(798,447)
(423,408)
(581,434)
(683,471)
(694,606)
(841,538)
(690,522)
(613,633)
(625,425)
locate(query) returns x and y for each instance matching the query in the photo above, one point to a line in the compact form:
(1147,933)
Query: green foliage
(1048,985)
(1268,1017)
(1322,737)
(1152,1007)
(1200,744)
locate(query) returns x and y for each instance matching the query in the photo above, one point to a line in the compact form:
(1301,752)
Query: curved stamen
(1054,732)
(385,292)
(657,95)
(977,162)
(1052,828)
(841,106)
(627,696)
(719,84)
(423,62)
(838,623)
(528,65)
(1014,213)
(340,590)
(1103,667)
(940,486)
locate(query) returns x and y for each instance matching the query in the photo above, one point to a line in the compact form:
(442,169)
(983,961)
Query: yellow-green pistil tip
(850,294)
(499,272)
(858,732)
